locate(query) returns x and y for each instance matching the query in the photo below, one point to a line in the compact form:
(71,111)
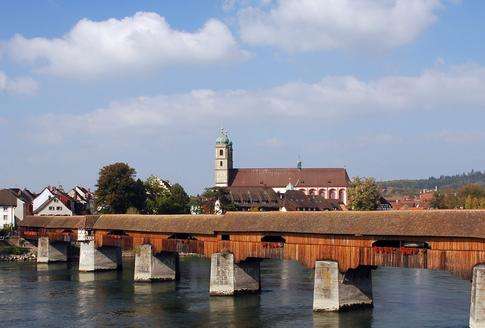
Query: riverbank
(11,252)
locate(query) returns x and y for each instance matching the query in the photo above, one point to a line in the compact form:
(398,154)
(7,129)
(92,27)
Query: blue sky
(386,88)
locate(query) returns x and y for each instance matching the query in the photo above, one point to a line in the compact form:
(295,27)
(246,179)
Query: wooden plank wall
(457,255)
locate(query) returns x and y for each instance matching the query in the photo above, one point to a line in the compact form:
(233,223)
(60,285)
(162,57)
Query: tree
(117,190)
(438,200)
(211,195)
(163,200)
(364,194)
(474,190)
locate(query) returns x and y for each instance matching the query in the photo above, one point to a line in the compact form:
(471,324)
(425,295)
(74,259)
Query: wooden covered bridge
(343,247)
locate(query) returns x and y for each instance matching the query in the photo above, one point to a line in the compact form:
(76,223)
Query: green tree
(163,200)
(364,194)
(474,190)
(438,200)
(117,190)
(211,195)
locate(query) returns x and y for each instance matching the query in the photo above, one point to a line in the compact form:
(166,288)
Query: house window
(5,218)
(221,152)
(51,208)
(56,200)
(225,237)
(5,208)
(59,208)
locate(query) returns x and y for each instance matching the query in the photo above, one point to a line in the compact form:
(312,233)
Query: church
(330,183)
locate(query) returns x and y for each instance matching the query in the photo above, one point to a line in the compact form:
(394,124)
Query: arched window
(321,192)
(220,163)
(341,195)
(332,194)
(221,152)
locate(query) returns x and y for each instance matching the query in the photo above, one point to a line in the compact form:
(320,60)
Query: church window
(220,163)
(221,152)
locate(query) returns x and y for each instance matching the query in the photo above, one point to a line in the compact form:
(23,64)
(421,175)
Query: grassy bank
(13,250)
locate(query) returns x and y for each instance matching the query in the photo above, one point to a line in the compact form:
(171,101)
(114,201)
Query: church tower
(223,160)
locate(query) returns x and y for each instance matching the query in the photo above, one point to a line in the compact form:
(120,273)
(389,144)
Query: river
(57,295)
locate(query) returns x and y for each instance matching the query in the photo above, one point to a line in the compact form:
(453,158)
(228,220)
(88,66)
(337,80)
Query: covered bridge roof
(196,224)
(59,222)
(437,223)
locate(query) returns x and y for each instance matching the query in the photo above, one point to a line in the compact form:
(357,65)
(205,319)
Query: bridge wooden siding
(456,239)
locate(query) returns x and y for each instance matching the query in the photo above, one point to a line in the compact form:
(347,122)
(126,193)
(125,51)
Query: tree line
(470,196)
(407,187)
(119,191)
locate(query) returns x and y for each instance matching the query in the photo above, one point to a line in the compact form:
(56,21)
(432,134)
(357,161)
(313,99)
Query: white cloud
(17,85)
(307,25)
(142,42)
(460,89)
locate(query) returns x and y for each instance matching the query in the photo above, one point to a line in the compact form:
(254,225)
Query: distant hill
(406,187)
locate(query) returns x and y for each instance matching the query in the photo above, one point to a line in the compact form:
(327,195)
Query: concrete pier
(103,258)
(229,278)
(149,267)
(48,251)
(334,291)
(477,304)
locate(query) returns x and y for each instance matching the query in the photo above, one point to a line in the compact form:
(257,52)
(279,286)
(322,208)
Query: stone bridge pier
(477,304)
(51,251)
(163,266)
(334,291)
(229,278)
(92,258)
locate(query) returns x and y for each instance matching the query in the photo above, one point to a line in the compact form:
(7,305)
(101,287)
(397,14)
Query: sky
(386,88)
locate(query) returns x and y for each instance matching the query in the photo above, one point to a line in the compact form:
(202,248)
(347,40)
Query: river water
(57,295)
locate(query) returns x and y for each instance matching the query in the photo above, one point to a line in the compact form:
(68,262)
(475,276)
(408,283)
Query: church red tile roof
(279,177)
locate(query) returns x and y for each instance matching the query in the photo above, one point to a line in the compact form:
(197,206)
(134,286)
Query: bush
(13,250)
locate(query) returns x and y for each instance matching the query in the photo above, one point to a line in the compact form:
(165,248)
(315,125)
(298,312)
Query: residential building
(57,202)
(24,203)
(8,203)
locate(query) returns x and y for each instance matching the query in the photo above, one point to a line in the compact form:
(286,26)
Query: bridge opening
(117,233)
(225,236)
(185,236)
(401,243)
(273,239)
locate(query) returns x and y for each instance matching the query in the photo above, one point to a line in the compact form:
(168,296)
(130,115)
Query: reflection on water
(57,295)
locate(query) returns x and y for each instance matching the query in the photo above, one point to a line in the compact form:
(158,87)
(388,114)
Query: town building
(24,202)
(54,201)
(266,199)
(330,183)
(8,203)
(80,194)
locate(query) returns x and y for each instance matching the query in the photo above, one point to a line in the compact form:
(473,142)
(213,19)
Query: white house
(24,203)
(54,206)
(41,198)
(8,203)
